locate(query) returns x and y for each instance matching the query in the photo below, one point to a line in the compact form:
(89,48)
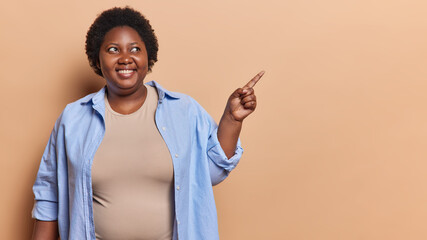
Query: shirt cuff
(45,210)
(217,155)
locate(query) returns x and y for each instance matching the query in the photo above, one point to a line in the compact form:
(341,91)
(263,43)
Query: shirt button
(178,222)
(177,188)
(176,155)
(163,128)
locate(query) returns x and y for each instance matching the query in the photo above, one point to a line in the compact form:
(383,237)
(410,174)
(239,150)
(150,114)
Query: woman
(134,160)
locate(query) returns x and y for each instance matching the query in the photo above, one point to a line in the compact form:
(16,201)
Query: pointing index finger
(254,80)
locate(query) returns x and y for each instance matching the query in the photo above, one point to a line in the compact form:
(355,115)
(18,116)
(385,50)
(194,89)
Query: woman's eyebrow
(113,43)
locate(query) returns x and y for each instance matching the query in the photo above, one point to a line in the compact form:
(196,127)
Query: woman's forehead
(122,34)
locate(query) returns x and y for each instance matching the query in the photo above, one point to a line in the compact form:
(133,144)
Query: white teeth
(125,71)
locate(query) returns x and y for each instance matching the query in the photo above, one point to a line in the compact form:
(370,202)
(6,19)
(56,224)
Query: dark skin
(240,104)
(124,64)
(45,230)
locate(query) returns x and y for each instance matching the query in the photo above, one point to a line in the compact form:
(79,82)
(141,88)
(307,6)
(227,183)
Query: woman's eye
(112,50)
(135,49)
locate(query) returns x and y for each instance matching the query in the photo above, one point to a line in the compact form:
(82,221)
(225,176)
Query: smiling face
(123,61)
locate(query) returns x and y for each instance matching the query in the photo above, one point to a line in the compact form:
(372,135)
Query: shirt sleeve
(219,165)
(45,188)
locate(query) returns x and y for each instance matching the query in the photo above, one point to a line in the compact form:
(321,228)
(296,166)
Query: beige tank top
(132,177)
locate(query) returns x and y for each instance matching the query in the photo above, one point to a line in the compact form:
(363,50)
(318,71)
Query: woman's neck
(127,104)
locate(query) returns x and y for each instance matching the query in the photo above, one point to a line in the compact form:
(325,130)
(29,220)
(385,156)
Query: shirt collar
(163,92)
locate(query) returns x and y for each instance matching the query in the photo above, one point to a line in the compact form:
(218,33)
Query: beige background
(336,148)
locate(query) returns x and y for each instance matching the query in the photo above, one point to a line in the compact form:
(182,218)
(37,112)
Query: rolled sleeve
(45,188)
(45,210)
(220,165)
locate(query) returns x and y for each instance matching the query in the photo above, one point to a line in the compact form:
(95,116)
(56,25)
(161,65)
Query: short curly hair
(116,17)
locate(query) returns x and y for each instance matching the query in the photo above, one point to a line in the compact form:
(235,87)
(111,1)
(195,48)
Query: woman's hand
(240,104)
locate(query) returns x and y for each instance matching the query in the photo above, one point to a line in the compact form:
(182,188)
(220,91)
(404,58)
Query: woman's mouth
(125,73)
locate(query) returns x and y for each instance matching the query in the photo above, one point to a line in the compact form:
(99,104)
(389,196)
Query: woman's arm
(240,104)
(45,230)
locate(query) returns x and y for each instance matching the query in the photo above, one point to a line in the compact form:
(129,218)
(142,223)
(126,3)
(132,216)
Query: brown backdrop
(336,148)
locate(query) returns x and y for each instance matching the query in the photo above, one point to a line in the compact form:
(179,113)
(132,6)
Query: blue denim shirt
(63,187)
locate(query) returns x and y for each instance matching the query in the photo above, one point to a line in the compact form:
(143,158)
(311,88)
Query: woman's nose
(125,59)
